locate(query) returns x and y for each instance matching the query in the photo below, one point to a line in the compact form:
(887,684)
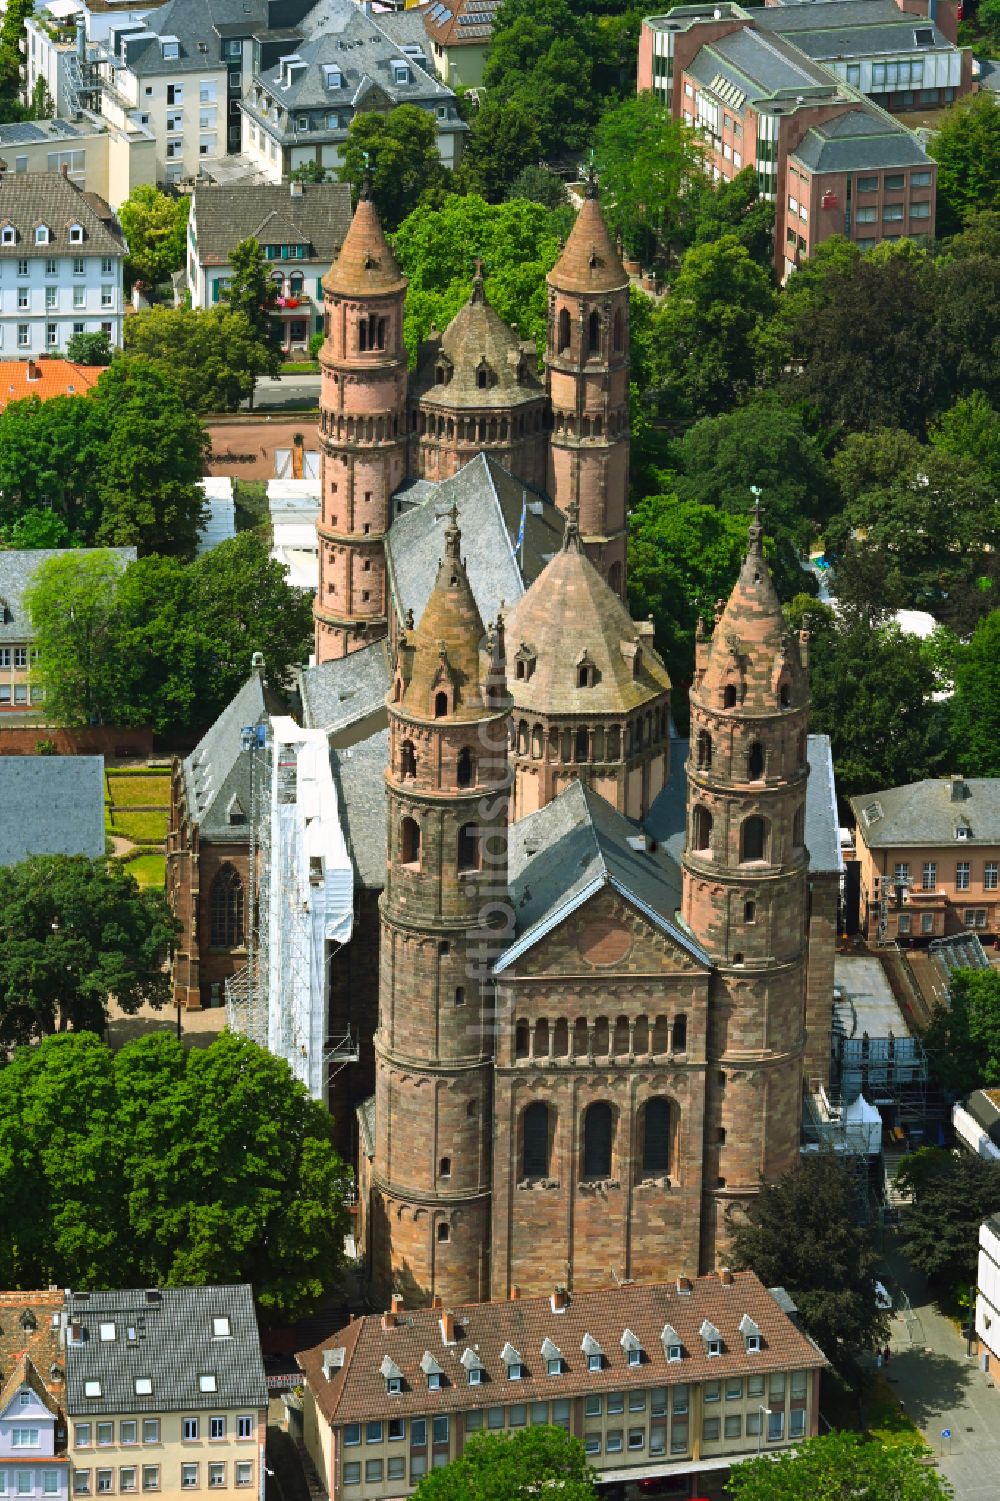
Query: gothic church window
(407,759)
(598,1136)
(440,705)
(226,909)
(594,333)
(466,770)
(704,750)
(678,1035)
(656,1135)
(535,1141)
(563,344)
(729,696)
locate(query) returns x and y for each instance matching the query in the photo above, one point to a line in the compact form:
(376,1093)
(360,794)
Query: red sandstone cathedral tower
(446,889)
(586,365)
(362,434)
(744,888)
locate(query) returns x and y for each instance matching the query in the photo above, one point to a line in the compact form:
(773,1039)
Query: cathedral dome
(574,648)
(589,261)
(753,663)
(366,264)
(478,361)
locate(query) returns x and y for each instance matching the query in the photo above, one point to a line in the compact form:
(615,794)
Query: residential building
(33,1458)
(929,856)
(976,1124)
(55,44)
(20,691)
(44,378)
(460,32)
(165,1391)
(300,228)
(673,1382)
(310,81)
(62,254)
(98,157)
(833,161)
(988,1294)
(60,807)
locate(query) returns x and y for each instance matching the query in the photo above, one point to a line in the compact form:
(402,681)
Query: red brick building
(475,391)
(764,93)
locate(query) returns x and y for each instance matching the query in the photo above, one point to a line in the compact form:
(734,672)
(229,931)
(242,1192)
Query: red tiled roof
(355,1391)
(40,1344)
(457,23)
(45,378)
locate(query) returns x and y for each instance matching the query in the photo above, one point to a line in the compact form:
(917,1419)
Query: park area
(136,813)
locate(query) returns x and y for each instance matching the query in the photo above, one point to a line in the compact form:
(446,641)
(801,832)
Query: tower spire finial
(452,536)
(365,191)
(756,529)
(571,532)
(478,284)
(591,177)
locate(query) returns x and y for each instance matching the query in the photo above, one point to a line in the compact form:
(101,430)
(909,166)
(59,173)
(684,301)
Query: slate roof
(218,769)
(319,217)
(459,23)
(359,776)
(925,813)
(39,1343)
(859,139)
(477,333)
(28,199)
(984,1107)
(763,67)
(355,1391)
(666,819)
(191,22)
(489,502)
(174,1345)
(54,805)
(17,570)
(570,849)
(338,694)
(45,378)
(839,29)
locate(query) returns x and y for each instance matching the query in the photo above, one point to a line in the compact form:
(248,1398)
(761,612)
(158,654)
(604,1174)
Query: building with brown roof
(33,1457)
(663,1380)
(44,379)
(475,391)
(460,32)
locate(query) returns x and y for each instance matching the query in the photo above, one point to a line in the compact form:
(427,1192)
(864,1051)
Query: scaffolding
(247,991)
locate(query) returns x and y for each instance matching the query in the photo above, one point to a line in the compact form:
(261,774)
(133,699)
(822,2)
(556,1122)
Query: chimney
(257,663)
(559,1300)
(64,169)
(959,791)
(436,1301)
(725,1276)
(396,1303)
(448,1328)
(389,1320)
(34,372)
(515,1292)
(296,189)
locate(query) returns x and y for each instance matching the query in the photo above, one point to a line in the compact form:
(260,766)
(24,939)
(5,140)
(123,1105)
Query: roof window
(91,1388)
(432,1371)
(207,1383)
(751,1334)
(220,1326)
(392,1376)
(671,1341)
(107,1332)
(143,1386)
(42,234)
(512,1360)
(632,1346)
(76,234)
(473,1366)
(593,1352)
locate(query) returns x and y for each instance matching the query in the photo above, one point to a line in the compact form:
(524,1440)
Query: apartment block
(658,1381)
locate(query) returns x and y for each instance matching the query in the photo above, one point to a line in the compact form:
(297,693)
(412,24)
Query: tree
(539,185)
(70,601)
(953,1192)
(838,1467)
(49,462)
(648,164)
(703,338)
(966,147)
(76,934)
(36,527)
(159,1166)
(513,1467)
(971,430)
(802,1233)
(735,208)
(11,34)
(504,141)
(152,456)
(919,528)
(308,172)
(541,55)
(975,706)
(242,603)
(213,356)
(963,1038)
(89,349)
(966,329)
(250,291)
(871,693)
(398,153)
(155,227)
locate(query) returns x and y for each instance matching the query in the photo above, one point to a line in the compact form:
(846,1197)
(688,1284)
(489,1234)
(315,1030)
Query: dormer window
(524,663)
(515,1371)
(963,831)
(751,1335)
(400,73)
(334,78)
(552,1355)
(433,1381)
(512,1360)
(393,1386)
(24,1396)
(586,671)
(76,234)
(633,1349)
(671,1342)
(42,234)
(432,1371)
(593,1352)
(473,1367)
(392,1376)
(554,1366)
(712,1338)
(485,376)
(8,235)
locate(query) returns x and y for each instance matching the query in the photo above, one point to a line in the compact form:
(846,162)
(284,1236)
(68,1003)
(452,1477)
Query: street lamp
(765,1412)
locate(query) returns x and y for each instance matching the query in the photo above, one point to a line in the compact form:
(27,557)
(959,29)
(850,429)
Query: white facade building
(61,265)
(988,1294)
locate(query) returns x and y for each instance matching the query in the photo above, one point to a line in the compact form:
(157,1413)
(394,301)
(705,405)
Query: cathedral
(591,970)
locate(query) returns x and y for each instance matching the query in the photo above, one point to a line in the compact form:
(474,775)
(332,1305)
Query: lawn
(149,870)
(300,367)
(138,791)
(141,828)
(885,1420)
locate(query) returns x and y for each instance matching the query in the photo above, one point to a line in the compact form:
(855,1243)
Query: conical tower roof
(366,263)
(444,650)
(752,641)
(589,261)
(569,619)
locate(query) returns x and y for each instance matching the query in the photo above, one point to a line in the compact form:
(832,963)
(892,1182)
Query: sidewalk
(942,1388)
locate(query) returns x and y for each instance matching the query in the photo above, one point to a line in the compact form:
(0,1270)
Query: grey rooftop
(18,567)
(953,811)
(858,140)
(53,805)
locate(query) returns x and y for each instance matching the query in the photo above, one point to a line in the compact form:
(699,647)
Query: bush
(315,345)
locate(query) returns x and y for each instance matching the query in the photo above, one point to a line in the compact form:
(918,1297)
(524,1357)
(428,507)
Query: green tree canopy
(735,208)
(76,934)
(802,1233)
(966,147)
(953,1192)
(541,56)
(89,349)
(649,164)
(838,1467)
(963,1038)
(49,462)
(539,185)
(162,1166)
(871,692)
(703,338)
(975,706)
(513,1467)
(971,430)
(71,604)
(15,14)
(155,227)
(213,357)
(504,141)
(398,153)
(251,291)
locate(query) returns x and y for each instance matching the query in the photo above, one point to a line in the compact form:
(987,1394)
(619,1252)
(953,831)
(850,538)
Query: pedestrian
(887,1355)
